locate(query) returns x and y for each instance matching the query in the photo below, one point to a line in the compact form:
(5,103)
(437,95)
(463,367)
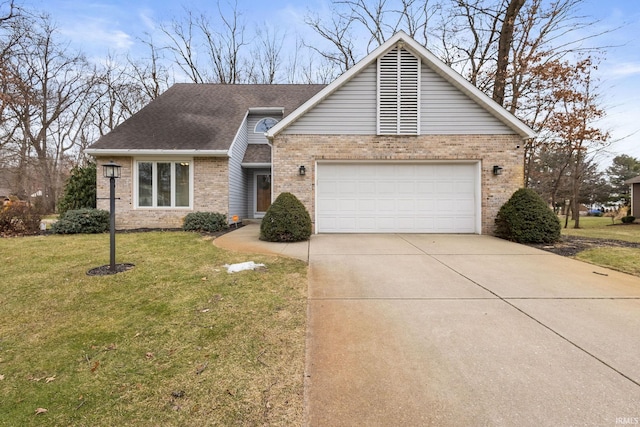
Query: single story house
(398,143)
(634,183)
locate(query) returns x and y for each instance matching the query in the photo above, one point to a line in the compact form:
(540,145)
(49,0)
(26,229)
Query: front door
(263,192)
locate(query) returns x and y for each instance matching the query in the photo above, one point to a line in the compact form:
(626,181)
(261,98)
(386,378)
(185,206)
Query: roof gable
(431,61)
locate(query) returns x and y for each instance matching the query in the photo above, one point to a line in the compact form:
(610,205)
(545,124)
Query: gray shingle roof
(257,153)
(200,116)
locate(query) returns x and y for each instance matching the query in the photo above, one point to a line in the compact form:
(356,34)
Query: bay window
(164,184)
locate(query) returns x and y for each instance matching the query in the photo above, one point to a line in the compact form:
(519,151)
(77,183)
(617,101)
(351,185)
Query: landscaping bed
(572,245)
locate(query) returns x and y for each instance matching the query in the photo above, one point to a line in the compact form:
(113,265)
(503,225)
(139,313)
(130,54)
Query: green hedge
(82,221)
(209,222)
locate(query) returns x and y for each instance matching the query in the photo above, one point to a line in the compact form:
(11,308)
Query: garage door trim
(477,226)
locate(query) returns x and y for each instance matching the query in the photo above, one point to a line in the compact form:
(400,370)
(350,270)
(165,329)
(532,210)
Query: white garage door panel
(390,197)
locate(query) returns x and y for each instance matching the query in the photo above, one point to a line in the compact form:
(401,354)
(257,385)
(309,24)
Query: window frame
(154,185)
(264,119)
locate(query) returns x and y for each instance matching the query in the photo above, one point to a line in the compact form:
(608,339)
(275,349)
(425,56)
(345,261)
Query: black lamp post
(112,171)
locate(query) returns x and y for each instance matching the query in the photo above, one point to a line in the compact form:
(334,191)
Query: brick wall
(210,194)
(291,151)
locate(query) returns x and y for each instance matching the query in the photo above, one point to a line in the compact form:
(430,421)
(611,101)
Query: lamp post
(112,171)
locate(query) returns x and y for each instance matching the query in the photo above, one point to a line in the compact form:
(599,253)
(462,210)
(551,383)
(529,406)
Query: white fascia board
(470,90)
(243,123)
(434,63)
(328,90)
(176,153)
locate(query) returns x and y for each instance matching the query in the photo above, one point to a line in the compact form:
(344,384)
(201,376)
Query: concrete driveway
(450,330)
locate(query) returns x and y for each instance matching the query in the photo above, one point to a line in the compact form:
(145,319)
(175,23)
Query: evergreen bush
(286,220)
(209,222)
(80,189)
(19,218)
(82,221)
(526,218)
(628,219)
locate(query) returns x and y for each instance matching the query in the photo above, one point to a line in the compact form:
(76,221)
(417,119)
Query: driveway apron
(459,330)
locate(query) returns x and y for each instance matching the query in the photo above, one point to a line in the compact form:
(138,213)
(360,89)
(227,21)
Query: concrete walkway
(467,331)
(246,239)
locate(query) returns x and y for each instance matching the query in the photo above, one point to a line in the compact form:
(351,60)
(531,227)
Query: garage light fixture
(497,170)
(302,170)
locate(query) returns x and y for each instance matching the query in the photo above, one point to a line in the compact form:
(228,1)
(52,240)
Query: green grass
(174,341)
(626,260)
(603,228)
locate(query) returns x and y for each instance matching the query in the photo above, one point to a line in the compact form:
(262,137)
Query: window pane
(145,182)
(164,184)
(182,184)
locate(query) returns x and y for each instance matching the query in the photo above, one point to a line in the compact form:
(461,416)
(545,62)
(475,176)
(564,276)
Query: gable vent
(398,93)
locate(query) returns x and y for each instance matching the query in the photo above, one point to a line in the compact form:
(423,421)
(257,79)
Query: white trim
(256,213)
(433,63)
(478,182)
(174,153)
(243,123)
(154,187)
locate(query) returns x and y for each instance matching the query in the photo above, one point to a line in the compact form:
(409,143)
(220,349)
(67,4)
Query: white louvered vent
(398,93)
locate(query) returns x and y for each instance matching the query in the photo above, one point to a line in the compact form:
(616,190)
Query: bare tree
(45,105)
(266,56)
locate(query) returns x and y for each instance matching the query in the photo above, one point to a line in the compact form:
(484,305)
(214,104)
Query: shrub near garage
(82,221)
(526,218)
(286,220)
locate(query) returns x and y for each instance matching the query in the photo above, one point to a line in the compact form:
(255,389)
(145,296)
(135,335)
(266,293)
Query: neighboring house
(398,143)
(634,183)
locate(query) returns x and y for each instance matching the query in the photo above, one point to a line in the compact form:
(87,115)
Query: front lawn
(625,259)
(174,341)
(603,228)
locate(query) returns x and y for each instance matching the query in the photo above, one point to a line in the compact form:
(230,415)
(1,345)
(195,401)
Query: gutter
(132,152)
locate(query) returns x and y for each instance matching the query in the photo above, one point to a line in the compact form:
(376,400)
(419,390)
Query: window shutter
(398,93)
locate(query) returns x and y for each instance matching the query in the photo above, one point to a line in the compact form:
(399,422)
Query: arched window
(265,124)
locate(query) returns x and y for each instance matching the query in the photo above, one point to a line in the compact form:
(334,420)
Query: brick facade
(210,194)
(291,151)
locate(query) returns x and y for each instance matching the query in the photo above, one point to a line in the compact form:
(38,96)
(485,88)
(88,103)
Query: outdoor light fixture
(112,171)
(497,170)
(302,170)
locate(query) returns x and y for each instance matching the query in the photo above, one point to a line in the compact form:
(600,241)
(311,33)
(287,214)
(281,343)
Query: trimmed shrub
(82,221)
(19,218)
(208,222)
(80,189)
(628,219)
(286,220)
(525,218)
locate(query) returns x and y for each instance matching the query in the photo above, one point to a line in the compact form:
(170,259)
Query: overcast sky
(100,26)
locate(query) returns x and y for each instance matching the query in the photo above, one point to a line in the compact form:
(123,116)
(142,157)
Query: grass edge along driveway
(175,341)
(626,260)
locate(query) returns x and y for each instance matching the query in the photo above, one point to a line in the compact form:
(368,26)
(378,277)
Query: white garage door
(397,197)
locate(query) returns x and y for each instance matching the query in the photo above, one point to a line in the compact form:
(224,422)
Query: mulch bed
(572,245)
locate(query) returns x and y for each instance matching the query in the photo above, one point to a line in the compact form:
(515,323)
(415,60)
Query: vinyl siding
(237,179)
(351,110)
(447,110)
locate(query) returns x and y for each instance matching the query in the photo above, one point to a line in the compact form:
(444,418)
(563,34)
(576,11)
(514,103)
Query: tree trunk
(504,47)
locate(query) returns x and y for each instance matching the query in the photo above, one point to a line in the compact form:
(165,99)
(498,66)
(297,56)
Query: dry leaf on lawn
(41,411)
